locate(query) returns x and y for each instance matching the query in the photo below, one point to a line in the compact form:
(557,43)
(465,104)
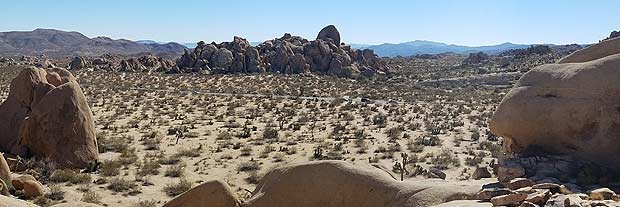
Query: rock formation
(287,55)
(332,184)
(570,108)
(46,115)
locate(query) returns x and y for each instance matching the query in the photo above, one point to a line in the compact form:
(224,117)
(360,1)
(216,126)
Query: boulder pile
(46,115)
(146,63)
(286,55)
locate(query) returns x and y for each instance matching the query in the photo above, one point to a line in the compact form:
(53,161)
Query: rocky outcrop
(46,115)
(286,55)
(476,58)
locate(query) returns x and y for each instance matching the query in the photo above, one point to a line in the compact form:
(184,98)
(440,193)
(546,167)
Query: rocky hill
(56,43)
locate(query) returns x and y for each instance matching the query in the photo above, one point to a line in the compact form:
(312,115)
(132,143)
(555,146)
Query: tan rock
(539,197)
(510,199)
(559,200)
(12,202)
(18,182)
(602,194)
(481,172)
(5,171)
(77,204)
(487,194)
(517,183)
(510,170)
(208,194)
(546,186)
(465,203)
(33,189)
(528,204)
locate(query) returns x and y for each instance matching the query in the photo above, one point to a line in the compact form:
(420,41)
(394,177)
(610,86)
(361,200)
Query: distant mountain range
(429,47)
(57,43)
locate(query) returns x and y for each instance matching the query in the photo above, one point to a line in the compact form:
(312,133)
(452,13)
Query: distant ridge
(57,43)
(429,47)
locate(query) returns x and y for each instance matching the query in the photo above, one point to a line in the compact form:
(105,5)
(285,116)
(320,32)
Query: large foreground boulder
(46,115)
(568,109)
(342,184)
(593,52)
(12,202)
(208,194)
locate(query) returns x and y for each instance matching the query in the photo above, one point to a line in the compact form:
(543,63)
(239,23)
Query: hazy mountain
(429,47)
(52,42)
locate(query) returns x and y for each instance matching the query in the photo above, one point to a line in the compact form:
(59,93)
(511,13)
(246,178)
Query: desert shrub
(246,151)
(169,160)
(175,189)
(151,141)
(42,201)
(56,193)
(110,167)
(445,159)
(184,152)
(495,149)
(253,178)
(475,160)
(248,166)
(113,144)
(119,184)
(148,167)
(91,197)
(175,171)
(149,203)
(379,119)
(270,133)
(224,136)
(428,141)
(128,156)
(475,135)
(66,175)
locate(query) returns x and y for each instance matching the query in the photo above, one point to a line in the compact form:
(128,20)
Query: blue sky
(465,22)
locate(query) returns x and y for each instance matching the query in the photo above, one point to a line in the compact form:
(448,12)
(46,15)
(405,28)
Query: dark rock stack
(78,63)
(288,55)
(476,58)
(614,34)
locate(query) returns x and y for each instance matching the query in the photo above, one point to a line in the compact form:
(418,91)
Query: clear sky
(465,22)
